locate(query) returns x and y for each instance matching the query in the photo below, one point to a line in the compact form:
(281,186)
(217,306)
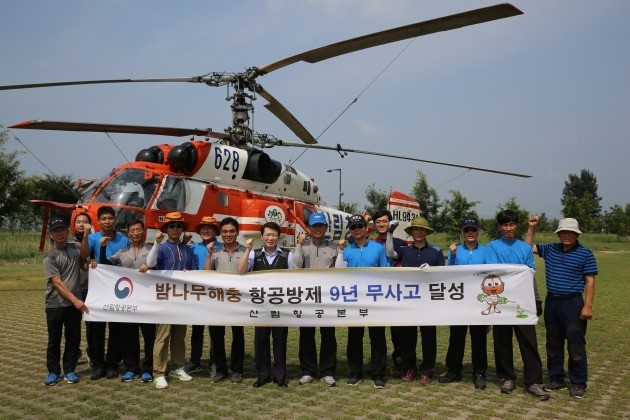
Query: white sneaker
(160,382)
(305,379)
(329,380)
(181,375)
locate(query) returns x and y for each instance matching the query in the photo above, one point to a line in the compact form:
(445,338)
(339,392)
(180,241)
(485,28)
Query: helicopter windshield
(130,187)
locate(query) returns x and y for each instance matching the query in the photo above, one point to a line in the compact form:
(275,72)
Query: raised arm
(243,264)
(153,254)
(529,236)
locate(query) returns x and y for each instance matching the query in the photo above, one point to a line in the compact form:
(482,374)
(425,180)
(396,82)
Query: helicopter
(228,173)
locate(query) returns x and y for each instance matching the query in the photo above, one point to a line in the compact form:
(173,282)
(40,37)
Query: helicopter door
(180,194)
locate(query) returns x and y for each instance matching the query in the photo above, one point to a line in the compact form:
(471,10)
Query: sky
(546,93)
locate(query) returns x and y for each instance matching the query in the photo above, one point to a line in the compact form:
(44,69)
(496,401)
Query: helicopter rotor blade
(195,79)
(118,128)
(446,23)
(343,150)
(283,114)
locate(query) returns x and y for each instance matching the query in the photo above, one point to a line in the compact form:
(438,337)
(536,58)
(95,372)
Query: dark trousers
(504,352)
(264,368)
(63,321)
(409,341)
(478,347)
(395,332)
(96,341)
(562,319)
(237,352)
(124,343)
(148,335)
(327,351)
(378,351)
(196,344)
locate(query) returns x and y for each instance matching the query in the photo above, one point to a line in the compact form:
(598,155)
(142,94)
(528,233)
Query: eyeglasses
(356,227)
(470,229)
(175,226)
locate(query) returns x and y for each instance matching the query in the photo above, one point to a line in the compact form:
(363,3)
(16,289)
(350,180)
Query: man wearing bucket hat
(364,253)
(208,230)
(467,253)
(420,252)
(318,252)
(172,254)
(570,269)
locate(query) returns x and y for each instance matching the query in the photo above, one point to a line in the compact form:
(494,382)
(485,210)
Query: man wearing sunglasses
(467,253)
(170,255)
(364,253)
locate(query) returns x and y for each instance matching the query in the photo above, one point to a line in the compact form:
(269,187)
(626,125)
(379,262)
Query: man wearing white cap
(570,268)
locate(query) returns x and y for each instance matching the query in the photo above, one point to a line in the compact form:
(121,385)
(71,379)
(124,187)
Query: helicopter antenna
(115,145)
(342,152)
(42,163)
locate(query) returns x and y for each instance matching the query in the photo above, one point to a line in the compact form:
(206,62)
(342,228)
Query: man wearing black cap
(64,307)
(467,253)
(364,253)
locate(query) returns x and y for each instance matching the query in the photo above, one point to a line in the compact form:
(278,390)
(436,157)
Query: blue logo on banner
(123,288)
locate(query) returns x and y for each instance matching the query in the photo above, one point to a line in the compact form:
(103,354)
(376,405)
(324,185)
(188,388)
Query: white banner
(453,295)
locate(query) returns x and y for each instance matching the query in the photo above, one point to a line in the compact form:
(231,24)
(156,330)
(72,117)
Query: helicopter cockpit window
(89,191)
(224,199)
(175,194)
(130,187)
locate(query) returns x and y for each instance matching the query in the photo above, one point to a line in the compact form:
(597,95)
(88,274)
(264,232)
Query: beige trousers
(173,336)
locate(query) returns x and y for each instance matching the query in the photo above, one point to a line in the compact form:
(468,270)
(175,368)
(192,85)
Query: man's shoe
(507,386)
(161,383)
(537,391)
(191,367)
(283,384)
(218,378)
(379,383)
(261,382)
(577,390)
(397,370)
(71,378)
(329,380)
(450,377)
(128,376)
(236,378)
(97,373)
(409,376)
(353,381)
(305,379)
(424,379)
(146,377)
(554,386)
(52,379)
(112,373)
(479,380)
(181,375)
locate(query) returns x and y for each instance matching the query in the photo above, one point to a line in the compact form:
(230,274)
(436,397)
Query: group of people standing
(570,270)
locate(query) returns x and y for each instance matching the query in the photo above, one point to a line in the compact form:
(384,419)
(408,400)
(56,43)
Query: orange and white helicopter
(227,173)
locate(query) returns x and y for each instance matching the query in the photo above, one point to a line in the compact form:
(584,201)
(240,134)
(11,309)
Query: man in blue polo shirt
(468,253)
(363,253)
(569,269)
(420,252)
(510,250)
(99,247)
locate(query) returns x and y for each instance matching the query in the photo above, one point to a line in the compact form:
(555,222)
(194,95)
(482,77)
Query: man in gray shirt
(225,259)
(64,307)
(319,252)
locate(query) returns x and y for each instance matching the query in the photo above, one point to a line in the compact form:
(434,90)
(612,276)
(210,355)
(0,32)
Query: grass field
(23,345)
